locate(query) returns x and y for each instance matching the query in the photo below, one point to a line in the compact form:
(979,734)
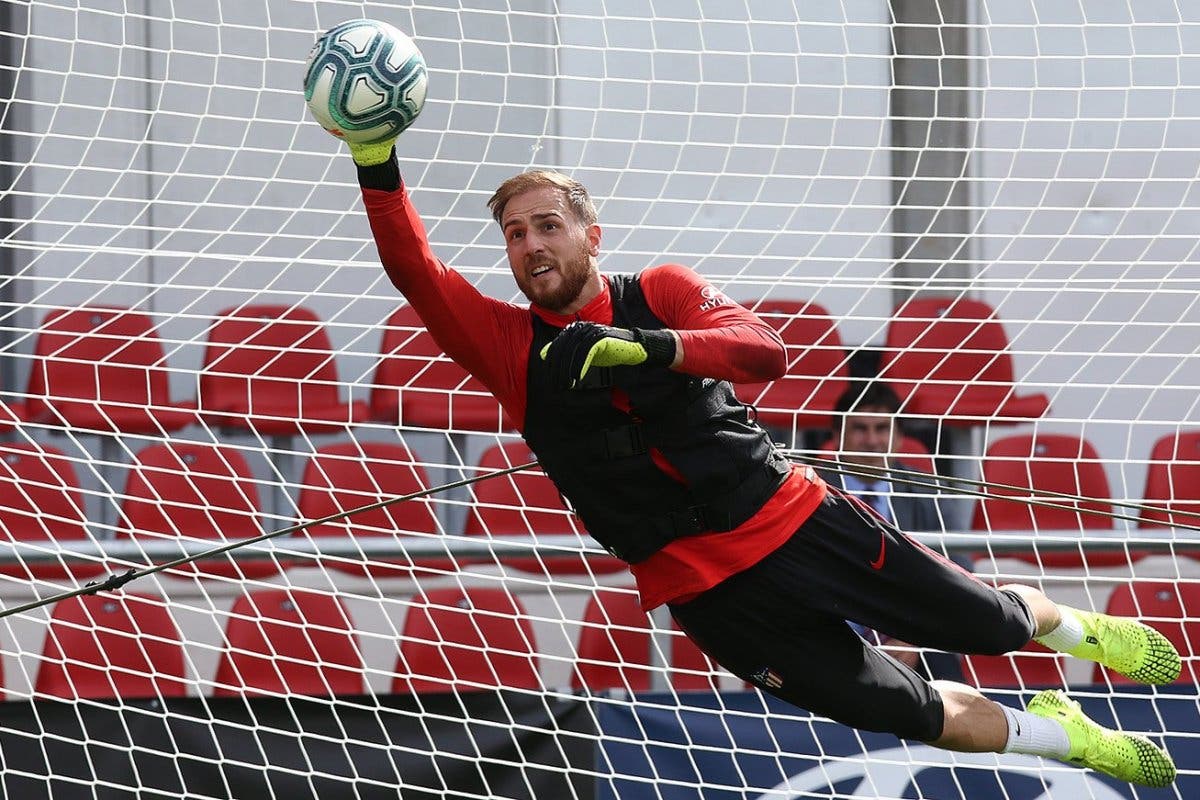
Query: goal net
(988,206)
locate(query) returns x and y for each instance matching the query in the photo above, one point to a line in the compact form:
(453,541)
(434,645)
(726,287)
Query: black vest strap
(620,442)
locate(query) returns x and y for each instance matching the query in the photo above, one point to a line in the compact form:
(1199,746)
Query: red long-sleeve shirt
(491,338)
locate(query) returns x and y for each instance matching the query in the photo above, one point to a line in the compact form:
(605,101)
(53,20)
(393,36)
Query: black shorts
(782,623)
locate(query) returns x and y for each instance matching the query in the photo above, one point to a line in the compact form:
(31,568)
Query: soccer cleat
(1128,647)
(1124,756)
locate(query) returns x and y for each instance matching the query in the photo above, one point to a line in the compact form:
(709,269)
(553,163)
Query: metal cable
(910,477)
(115,581)
(947,485)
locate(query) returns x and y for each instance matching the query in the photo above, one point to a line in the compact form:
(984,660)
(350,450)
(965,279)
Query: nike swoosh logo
(878,563)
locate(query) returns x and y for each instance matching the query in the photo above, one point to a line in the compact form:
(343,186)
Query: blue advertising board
(746,746)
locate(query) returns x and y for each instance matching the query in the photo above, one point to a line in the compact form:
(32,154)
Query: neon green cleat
(1125,756)
(1129,647)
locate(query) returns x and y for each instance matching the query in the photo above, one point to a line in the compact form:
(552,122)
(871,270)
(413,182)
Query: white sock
(1067,636)
(1034,735)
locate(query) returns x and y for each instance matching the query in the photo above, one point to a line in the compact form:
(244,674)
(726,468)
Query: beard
(573,276)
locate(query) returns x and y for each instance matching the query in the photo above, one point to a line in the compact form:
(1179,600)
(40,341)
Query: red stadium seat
(289,641)
(1033,666)
(1172,494)
(912,452)
(691,669)
(416,384)
(41,503)
(817,373)
(527,504)
(614,644)
(466,640)
(103,369)
(112,645)
(196,491)
(340,477)
(948,357)
(1048,463)
(12,414)
(272,369)
(1171,607)
(614,649)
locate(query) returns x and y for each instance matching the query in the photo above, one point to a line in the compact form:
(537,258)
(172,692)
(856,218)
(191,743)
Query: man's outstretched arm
(465,323)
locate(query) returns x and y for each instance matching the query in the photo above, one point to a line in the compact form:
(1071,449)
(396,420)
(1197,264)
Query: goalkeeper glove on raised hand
(583,345)
(368,155)
(376,167)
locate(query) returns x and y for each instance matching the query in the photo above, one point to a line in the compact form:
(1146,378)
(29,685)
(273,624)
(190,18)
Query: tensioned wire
(960,486)
(116,581)
(968,487)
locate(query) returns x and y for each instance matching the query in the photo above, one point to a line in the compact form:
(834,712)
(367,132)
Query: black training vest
(598,456)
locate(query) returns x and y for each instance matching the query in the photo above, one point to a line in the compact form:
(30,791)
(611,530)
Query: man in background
(866,432)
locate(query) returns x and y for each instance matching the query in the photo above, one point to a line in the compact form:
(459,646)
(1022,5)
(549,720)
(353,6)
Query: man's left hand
(583,345)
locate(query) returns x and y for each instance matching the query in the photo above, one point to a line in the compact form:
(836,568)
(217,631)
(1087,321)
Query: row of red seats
(459,640)
(272,369)
(207,491)
(945,357)
(296,641)
(267,368)
(1046,465)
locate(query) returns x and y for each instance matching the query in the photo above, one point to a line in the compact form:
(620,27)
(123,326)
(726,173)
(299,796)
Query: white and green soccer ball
(365,81)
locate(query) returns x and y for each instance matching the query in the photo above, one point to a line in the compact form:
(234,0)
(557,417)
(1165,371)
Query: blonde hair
(577,196)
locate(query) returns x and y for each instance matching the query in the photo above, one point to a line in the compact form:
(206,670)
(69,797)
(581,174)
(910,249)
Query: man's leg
(780,624)
(1124,645)
(974,724)
(1053,727)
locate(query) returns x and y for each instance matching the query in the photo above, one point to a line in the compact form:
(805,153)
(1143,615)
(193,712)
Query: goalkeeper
(621,386)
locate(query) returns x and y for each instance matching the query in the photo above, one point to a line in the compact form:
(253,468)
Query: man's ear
(593,236)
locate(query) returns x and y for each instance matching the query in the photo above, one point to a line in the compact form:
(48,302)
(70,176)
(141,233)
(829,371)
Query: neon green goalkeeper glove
(368,155)
(583,345)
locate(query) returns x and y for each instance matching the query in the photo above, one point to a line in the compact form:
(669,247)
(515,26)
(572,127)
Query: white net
(177,234)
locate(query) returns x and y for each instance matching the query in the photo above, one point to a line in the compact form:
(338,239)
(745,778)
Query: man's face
(550,251)
(868,435)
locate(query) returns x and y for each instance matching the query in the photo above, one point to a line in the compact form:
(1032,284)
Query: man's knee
(927,723)
(1009,628)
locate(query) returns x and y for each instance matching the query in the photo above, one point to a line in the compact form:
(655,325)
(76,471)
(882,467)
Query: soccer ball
(365,81)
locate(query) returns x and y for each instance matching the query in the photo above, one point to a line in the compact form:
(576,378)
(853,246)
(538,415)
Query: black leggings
(782,623)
